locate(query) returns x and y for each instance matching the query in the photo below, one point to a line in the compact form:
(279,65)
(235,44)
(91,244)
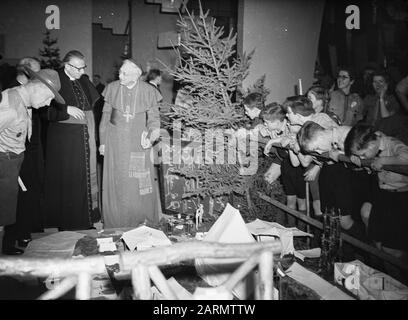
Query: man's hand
(377,164)
(311,174)
(102,149)
(154,135)
(76,112)
(144,141)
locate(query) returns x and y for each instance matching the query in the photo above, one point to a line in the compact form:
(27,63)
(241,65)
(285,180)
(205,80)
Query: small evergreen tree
(210,75)
(50,54)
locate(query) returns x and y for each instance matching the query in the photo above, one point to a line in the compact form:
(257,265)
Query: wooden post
(65,285)
(141,283)
(307,212)
(161,283)
(83,289)
(257,283)
(266,275)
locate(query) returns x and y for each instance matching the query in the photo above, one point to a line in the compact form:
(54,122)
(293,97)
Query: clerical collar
(70,78)
(152,83)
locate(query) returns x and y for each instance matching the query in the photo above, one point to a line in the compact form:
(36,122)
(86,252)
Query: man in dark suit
(71,190)
(154,78)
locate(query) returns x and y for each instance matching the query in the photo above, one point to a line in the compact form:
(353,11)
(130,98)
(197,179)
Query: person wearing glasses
(344,103)
(70,184)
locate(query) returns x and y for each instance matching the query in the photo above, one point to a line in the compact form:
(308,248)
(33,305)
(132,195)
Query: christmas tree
(211,77)
(50,54)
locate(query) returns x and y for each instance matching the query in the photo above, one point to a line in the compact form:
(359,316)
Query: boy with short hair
(274,117)
(388,221)
(300,110)
(349,187)
(253,105)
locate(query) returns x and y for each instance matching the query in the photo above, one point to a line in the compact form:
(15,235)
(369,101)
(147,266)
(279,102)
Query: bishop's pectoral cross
(127,113)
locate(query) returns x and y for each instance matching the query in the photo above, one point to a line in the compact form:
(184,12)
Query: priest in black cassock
(71,191)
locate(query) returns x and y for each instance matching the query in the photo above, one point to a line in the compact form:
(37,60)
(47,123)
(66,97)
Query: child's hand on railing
(377,164)
(270,144)
(356,160)
(311,174)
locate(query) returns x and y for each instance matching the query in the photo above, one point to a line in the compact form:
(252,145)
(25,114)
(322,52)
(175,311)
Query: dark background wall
(382,36)
(107,49)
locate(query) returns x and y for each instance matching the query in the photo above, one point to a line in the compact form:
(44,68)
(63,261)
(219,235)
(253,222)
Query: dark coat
(57,111)
(67,174)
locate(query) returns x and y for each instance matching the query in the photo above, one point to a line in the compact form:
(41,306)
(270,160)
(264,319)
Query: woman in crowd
(345,104)
(382,110)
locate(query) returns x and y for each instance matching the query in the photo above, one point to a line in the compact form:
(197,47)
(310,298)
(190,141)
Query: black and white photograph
(213,153)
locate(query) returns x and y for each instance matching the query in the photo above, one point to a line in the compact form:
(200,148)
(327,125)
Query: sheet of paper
(107,246)
(229,228)
(311,280)
(145,237)
(104,240)
(310,253)
(56,245)
(260,227)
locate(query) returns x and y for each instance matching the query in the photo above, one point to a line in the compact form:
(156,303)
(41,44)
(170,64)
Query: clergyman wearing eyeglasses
(71,190)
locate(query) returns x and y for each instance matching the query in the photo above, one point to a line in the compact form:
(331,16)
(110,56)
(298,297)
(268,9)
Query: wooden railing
(143,266)
(344,236)
(401,169)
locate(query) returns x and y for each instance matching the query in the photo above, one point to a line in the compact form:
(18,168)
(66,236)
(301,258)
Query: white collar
(24,94)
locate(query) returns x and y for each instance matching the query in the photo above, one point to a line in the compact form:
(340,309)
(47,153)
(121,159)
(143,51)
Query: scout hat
(50,78)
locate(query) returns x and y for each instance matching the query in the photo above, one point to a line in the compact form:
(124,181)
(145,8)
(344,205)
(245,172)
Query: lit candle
(300,87)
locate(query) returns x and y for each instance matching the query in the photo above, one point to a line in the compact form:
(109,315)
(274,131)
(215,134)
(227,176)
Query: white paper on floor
(309,253)
(176,287)
(56,245)
(229,228)
(265,229)
(260,227)
(311,280)
(144,237)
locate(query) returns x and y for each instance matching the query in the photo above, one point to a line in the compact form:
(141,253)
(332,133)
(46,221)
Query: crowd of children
(309,133)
